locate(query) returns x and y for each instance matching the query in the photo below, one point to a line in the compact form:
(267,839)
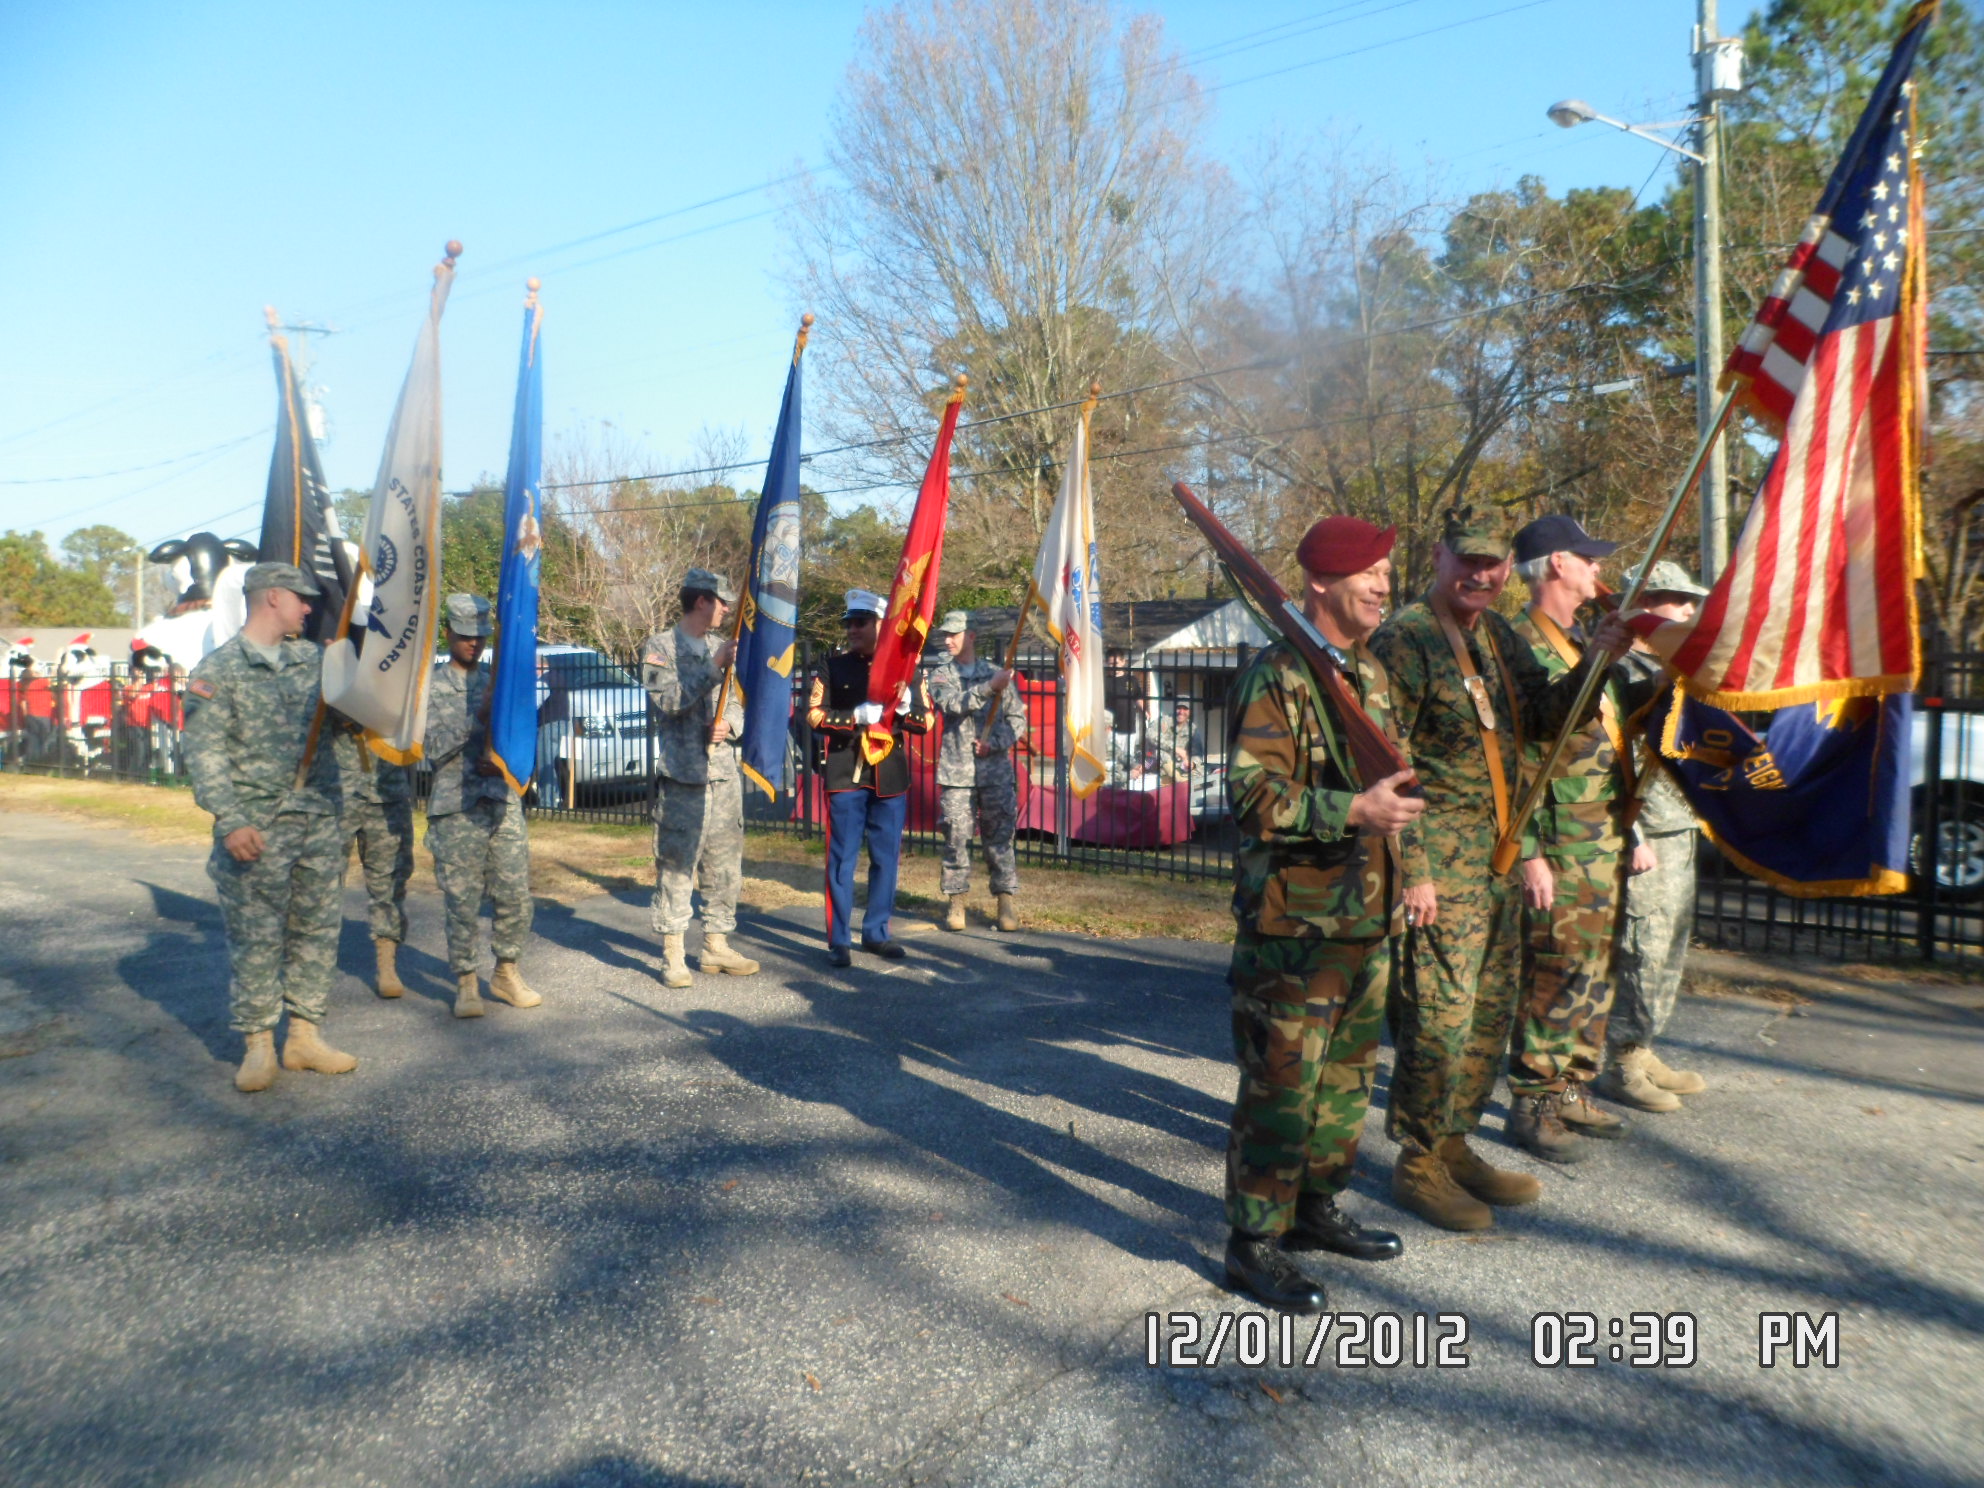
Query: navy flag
(1818,804)
(513,696)
(768,616)
(299,524)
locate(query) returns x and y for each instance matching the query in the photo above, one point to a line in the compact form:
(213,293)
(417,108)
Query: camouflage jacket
(960,694)
(1578,819)
(247,720)
(1434,715)
(364,775)
(1299,872)
(457,740)
(1663,808)
(682,681)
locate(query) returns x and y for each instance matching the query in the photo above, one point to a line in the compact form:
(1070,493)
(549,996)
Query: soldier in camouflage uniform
(1317,899)
(1659,911)
(378,817)
(975,776)
(475,823)
(276,861)
(1571,883)
(1452,1007)
(699,800)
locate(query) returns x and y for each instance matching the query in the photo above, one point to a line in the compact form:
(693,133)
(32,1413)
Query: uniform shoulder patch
(654,658)
(200,687)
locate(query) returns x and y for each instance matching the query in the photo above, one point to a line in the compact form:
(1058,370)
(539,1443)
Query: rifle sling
(1608,712)
(1484,708)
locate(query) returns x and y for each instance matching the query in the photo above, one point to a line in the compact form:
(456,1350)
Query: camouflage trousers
(483,853)
(1653,941)
(384,834)
(1306,1015)
(995,804)
(1451,1008)
(282,913)
(1567,985)
(698,842)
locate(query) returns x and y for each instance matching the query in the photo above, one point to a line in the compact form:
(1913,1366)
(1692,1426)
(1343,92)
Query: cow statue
(207,574)
(82,700)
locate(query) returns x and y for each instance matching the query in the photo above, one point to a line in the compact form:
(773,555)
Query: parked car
(1958,800)
(594,721)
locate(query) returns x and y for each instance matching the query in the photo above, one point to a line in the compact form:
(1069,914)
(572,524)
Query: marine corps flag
(1067,587)
(299,523)
(913,595)
(768,619)
(513,685)
(376,670)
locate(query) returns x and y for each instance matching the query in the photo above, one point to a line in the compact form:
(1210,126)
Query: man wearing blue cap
(1570,883)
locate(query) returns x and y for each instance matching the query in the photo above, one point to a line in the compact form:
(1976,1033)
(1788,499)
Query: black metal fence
(1161,812)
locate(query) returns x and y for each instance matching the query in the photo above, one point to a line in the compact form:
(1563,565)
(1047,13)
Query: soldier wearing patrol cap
(1570,874)
(699,799)
(277,863)
(1659,908)
(1465,693)
(983,719)
(475,823)
(865,803)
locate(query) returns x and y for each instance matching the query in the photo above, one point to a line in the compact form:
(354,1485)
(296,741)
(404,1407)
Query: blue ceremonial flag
(768,621)
(1818,804)
(513,699)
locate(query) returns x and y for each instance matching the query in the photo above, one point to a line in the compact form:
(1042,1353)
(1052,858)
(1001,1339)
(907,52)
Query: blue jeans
(854,817)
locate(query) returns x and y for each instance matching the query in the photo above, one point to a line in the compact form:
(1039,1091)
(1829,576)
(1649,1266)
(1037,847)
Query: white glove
(902,703)
(867,713)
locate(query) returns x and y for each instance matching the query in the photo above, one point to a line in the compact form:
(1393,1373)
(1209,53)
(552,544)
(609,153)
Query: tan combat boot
(1009,918)
(468,995)
(1581,1116)
(1628,1081)
(954,917)
(305,1049)
(674,969)
(1678,1082)
(388,982)
(1491,1185)
(718,956)
(258,1065)
(1421,1183)
(507,985)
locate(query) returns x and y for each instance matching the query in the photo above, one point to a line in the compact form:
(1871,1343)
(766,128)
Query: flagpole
(1506,849)
(317,718)
(737,620)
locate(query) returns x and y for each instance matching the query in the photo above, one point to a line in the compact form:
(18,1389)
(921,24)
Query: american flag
(1819,597)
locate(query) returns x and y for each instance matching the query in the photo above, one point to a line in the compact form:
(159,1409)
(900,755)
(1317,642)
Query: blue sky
(168,170)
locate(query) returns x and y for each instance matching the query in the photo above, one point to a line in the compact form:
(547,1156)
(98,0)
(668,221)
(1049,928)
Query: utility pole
(1718,75)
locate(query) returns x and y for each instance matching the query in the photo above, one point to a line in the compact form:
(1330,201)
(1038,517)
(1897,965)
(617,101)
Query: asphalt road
(899,1225)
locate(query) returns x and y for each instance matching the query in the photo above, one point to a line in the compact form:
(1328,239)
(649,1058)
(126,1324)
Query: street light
(1718,75)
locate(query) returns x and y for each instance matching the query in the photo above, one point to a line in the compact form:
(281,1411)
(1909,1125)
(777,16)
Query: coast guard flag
(1819,597)
(513,689)
(913,595)
(1818,804)
(375,671)
(1067,587)
(299,523)
(770,621)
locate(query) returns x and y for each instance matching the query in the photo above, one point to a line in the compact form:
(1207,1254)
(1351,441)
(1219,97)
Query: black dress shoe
(888,950)
(1320,1225)
(839,956)
(1256,1265)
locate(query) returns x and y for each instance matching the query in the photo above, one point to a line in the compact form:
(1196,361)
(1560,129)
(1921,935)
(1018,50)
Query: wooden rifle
(1372,751)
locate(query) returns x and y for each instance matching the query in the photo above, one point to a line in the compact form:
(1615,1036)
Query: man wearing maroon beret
(1317,895)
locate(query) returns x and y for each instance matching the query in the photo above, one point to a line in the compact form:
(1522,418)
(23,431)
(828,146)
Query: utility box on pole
(1718,67)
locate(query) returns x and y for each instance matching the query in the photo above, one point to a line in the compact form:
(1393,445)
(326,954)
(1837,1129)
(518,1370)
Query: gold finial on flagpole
(958,387)
(269,314)
(454,251)
(531,286)
(1094,394)
(805,330)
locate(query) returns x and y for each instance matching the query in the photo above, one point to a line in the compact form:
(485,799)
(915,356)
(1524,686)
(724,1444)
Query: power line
(52,480)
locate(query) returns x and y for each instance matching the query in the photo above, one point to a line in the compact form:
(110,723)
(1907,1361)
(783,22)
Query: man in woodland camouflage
(975,776)
(1317,896)
(699,800)
(1465,691)
(475,823)
(1570,885)
(277,862)
(378,818)
(1659,912)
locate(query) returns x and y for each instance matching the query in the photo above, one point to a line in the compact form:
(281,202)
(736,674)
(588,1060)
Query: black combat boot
(1537,1128)
(1256,1265)
(1320,1225)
